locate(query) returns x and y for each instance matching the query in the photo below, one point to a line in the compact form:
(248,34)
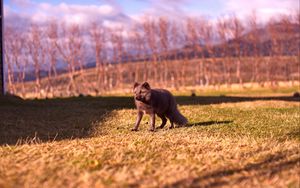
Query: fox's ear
(146,85)
(135,85)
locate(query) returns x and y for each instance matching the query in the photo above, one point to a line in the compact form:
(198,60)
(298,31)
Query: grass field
(240,139)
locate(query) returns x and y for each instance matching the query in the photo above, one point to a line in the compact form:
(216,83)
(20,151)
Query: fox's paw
(160,127)
(152,130)
(134,129)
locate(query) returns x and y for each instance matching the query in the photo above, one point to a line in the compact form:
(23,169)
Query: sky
(116,12)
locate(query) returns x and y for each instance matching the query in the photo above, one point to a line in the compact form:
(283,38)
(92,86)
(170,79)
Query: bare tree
(274,52)
(164,31)
(52,37)
(24,61)
(206,31)
(222,30)
(51,50)
(69,46)
(296,43)
(97,33)
(289,44)
(176,40)
(118,52)
(8,48)
(149,27)
(37,53)
(193,46)
(254,39)
(237,29)
(16,59)
(137,43)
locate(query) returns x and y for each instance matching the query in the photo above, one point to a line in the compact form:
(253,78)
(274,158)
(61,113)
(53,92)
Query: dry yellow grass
(235,143)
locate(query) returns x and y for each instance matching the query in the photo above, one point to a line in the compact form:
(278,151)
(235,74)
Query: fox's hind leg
(172,125)
(152,122)
(171,121)
(163,119)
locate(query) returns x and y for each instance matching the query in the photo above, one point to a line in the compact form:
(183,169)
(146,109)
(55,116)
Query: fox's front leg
(138,121)
(152,122)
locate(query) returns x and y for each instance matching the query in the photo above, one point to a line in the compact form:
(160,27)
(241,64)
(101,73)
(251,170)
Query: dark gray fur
(156,101)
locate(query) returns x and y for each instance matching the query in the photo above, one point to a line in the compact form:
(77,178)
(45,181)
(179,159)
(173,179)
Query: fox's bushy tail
(178,118)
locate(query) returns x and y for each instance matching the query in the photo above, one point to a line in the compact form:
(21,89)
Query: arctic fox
(156,101)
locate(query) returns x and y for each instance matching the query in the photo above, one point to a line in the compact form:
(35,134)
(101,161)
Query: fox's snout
(139,98)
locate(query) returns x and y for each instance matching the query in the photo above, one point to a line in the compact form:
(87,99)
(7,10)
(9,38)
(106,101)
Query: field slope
(231,141)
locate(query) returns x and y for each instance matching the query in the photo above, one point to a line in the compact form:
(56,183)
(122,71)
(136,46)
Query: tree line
(192,52)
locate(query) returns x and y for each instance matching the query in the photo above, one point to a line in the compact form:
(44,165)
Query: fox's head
(142,92)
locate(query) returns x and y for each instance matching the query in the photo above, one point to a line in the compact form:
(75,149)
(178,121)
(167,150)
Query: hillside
(119,78)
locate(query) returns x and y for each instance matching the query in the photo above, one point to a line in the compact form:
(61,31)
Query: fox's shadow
(208,123)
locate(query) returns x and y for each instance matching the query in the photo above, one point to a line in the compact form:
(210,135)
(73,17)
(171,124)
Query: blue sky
(130,6)
(133,6)
(119,11)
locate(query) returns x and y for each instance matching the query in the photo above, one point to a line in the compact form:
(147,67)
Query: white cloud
(68,13)
(265,9)
(72,13)
(113,24)
(84,9)
(113,14)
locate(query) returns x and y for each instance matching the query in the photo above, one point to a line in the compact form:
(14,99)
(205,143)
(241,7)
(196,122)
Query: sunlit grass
(87,142)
